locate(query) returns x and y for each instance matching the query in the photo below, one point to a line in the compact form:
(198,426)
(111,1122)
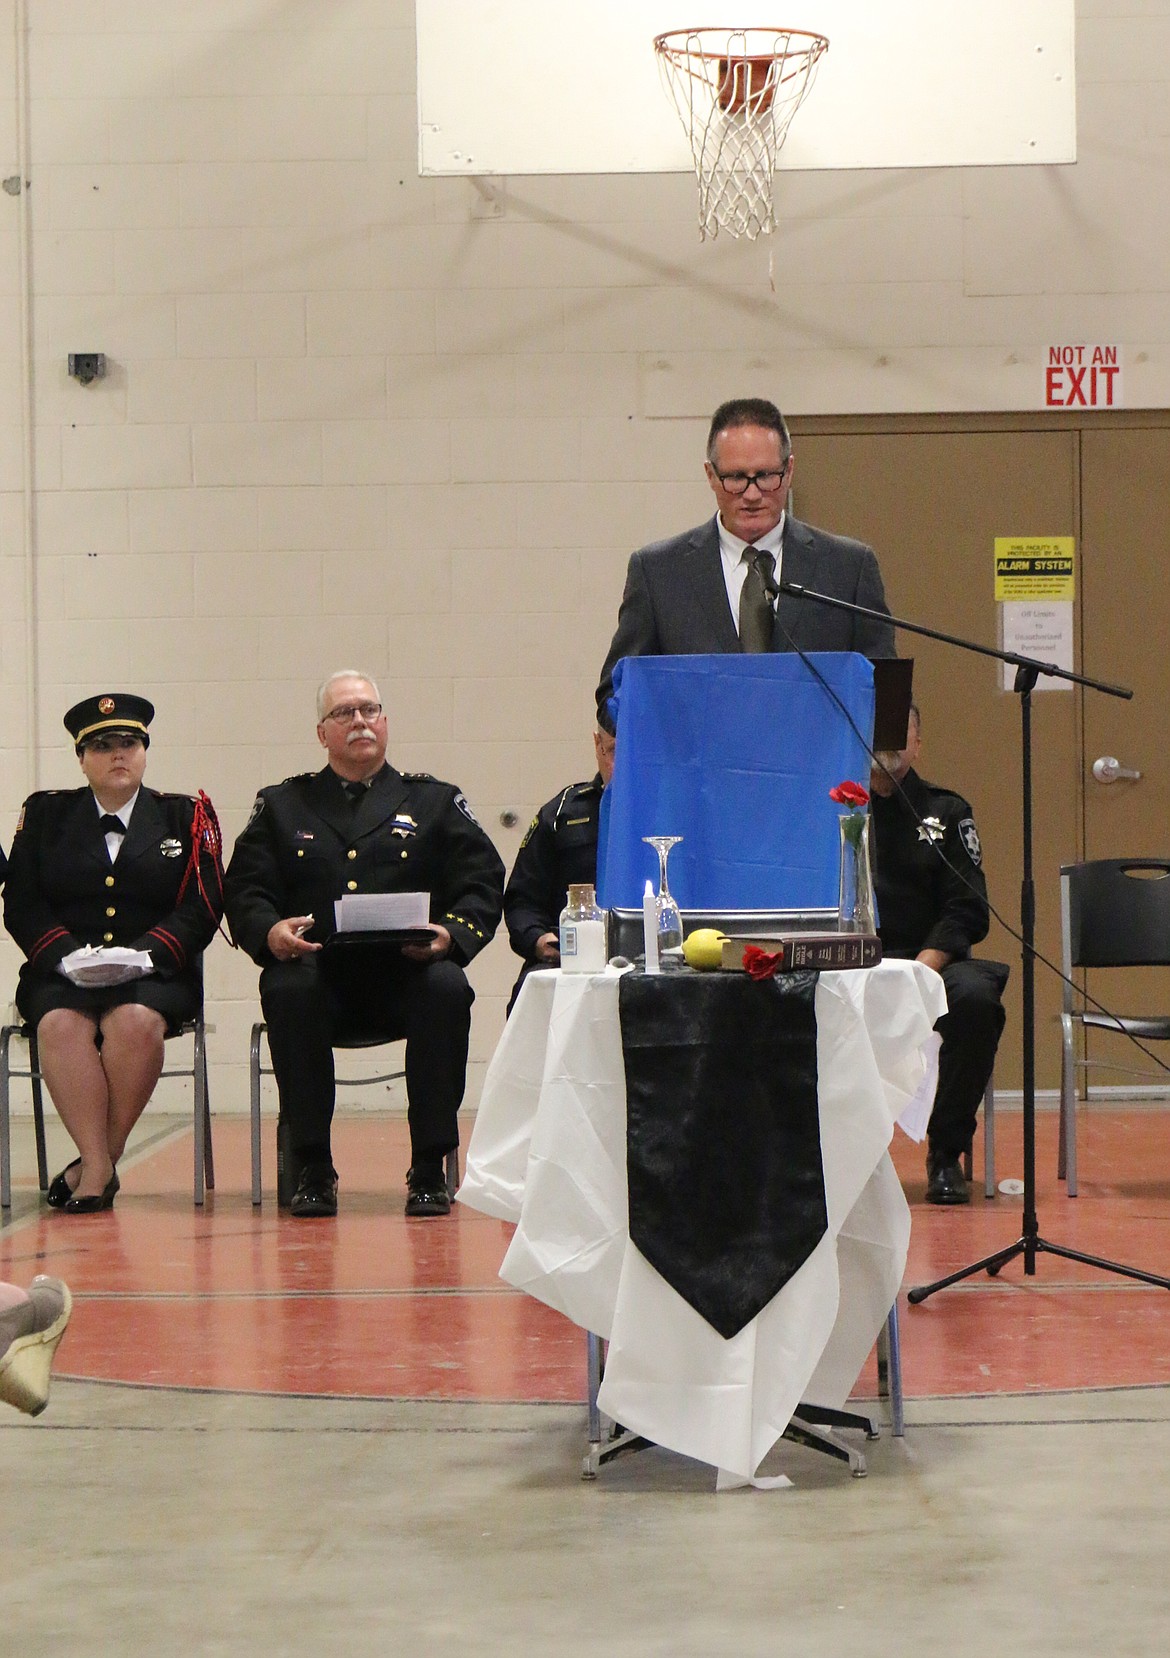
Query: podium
(736,754)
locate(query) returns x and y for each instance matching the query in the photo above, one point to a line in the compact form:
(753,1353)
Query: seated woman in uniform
(96,874)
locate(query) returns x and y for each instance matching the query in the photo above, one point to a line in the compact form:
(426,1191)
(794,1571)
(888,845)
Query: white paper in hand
(93,967)
(371,912)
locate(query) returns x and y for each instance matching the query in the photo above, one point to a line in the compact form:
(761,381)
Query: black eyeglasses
(736,483)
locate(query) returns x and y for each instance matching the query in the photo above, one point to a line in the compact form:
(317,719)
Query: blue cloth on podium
(736,754)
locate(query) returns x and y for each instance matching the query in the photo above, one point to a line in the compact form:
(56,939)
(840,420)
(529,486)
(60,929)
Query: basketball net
(736,91)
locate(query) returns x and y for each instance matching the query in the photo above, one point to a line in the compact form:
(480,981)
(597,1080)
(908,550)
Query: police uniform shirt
(922,903)
(306,845)
(559,850)
(63,891)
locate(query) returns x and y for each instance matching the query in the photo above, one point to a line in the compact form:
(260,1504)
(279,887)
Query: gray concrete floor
(141,1522)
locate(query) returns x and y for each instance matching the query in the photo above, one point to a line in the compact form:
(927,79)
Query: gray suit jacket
(675,601)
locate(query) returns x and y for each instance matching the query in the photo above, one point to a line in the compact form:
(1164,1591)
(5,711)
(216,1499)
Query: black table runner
(726,1186)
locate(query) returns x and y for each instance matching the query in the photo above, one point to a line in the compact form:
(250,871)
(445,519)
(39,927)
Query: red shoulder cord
(206,836)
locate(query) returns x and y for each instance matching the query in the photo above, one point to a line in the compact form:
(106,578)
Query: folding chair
(286,1176)
(1114,912)
(197,1071)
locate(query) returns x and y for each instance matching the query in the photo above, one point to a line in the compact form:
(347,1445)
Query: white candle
(650,929)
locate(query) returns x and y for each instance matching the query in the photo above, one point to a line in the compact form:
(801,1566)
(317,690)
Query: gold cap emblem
(106,705)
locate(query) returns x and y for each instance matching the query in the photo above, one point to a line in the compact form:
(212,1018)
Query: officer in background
(558,850)
(360,826)
(933,909)
(113,864)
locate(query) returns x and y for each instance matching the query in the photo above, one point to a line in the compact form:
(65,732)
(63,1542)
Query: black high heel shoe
(95,1205)
(60,1191)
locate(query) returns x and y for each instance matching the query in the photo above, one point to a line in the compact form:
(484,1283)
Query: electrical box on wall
(87,365)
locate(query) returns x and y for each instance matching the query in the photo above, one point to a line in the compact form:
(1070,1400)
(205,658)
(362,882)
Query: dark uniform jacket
(305,846)
(62,890)
(923,904)
(558,851)
(675,600)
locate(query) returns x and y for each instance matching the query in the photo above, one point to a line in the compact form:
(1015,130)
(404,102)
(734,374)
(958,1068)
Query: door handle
(1109,770)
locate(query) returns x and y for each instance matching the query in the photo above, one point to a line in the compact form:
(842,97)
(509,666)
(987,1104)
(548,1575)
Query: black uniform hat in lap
(114,713)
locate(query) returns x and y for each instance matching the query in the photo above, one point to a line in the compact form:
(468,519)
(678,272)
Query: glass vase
(855,911)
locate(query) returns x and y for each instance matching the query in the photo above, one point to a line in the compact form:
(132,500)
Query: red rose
(849,794)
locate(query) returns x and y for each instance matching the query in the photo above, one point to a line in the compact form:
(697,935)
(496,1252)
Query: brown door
(1125,564)
(1125,582)
(932,502)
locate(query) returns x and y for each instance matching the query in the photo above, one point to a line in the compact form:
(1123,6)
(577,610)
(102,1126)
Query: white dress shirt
(113,839)
(735,569)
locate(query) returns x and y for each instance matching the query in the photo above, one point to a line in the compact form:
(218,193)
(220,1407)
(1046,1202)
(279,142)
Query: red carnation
(849,794)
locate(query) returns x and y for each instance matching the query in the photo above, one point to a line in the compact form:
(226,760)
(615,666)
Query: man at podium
(716,588)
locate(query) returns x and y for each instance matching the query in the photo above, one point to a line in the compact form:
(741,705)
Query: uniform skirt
(175,1000)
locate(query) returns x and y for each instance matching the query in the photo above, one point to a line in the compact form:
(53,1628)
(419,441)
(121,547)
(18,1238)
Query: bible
(806,952)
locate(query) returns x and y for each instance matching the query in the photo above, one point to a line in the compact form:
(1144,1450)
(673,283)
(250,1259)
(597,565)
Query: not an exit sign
(1083,377)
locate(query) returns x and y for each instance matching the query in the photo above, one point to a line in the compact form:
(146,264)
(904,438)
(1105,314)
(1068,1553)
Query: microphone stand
(1030,1243)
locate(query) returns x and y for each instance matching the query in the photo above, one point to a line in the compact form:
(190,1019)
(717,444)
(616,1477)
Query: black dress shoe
(427,1192)
(945,1180)
(316,1192)
(95,1205)
(60,1191)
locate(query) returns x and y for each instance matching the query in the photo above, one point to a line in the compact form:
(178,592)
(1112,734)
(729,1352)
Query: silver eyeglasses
(368,711)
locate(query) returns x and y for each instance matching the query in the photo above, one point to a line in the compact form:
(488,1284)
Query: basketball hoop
(736,91)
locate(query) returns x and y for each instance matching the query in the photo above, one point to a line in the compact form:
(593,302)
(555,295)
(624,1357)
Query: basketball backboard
(572,86)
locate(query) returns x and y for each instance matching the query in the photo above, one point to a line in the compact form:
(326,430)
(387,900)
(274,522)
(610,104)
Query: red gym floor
(373,1305)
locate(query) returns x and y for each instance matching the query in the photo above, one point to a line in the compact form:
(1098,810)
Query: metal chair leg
(201,1134)
(989,1139)
(38,1098)
(1066,1155)
(5,1146)
(254,1087)
(201,1085)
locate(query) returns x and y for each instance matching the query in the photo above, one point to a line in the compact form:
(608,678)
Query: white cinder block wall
(356,417)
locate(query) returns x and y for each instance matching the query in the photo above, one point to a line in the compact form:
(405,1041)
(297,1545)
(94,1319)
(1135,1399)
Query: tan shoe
(33,1330)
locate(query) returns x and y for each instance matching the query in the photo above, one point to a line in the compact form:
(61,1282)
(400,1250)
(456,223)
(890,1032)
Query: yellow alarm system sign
(1034,567)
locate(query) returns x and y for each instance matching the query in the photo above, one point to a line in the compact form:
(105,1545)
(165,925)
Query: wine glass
(670,931)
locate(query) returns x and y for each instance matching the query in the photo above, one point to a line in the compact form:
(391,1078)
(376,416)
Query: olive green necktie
(755,604)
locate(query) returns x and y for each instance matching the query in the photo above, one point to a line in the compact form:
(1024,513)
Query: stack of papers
(382,912)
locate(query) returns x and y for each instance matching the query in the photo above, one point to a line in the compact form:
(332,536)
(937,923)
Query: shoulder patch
(39,794)
(528,833)
(969,836)
(461,803)
(257,808)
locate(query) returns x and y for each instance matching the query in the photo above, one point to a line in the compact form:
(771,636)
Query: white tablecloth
(548,1151)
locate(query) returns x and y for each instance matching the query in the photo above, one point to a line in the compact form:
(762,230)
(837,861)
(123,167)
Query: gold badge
(106,705)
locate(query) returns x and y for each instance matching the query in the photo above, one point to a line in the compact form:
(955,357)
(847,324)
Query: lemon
(703,948)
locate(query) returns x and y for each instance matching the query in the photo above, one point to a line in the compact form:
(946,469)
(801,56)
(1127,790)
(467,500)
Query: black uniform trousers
(308,1007)
(970,1031)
